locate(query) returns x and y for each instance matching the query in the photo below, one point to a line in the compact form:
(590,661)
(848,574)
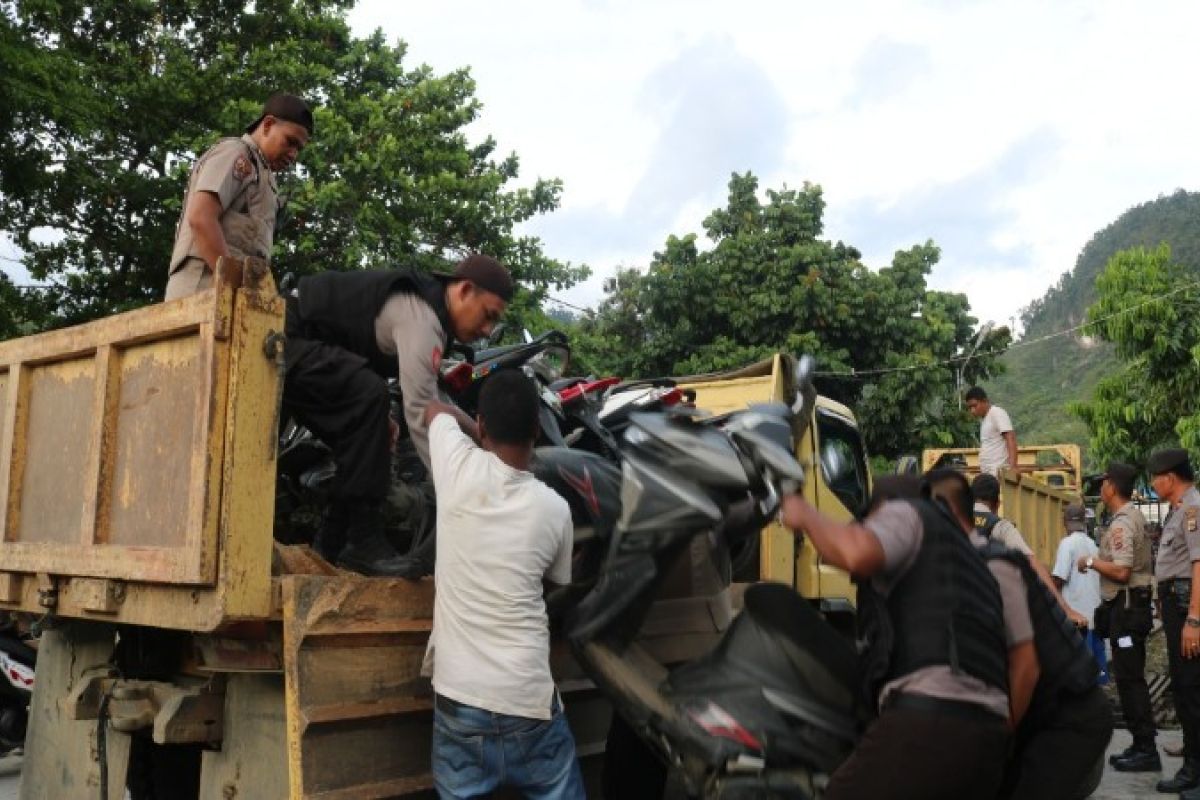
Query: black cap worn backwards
(985,488)
(288,107)
(486,273)
(1166,460)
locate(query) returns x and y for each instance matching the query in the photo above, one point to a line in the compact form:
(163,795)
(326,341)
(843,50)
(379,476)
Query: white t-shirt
(500,532)
(1081,590)
(993,451)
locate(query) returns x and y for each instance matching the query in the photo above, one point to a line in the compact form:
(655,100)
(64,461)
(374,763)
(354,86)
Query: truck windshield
(839,434)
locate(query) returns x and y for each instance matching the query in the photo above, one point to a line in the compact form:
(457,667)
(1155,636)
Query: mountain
(1043,376)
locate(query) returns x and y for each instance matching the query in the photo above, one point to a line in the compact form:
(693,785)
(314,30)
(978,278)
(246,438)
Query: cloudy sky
(1008,132)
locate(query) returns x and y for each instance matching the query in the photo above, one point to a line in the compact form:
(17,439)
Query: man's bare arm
(849,546)
(435,407)
(1010,441)
(204,219)
(1023,674)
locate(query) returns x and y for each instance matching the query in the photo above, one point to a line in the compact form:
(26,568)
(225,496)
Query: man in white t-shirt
(997,439)
(503,538)
(1081,590)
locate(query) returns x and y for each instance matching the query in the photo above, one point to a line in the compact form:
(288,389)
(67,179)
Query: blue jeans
(1097,645)
(476,752)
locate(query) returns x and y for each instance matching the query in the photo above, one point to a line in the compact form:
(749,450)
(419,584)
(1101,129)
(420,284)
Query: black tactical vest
(945,610)
(985,523)
(1067,665)
(340,308)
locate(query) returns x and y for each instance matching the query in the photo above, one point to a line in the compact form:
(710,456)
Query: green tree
(770,283)
(109,102)
(1148,307)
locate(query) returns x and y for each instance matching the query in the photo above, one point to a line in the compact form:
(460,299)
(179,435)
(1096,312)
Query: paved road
(1116,785)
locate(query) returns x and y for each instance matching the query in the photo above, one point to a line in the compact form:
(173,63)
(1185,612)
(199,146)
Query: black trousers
(336,395)
(1185,673)
(1128,629)
(909,754)
(1061,757)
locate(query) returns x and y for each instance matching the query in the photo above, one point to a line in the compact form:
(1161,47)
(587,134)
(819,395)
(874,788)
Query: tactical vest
(946,610)
(1067,665)
(985,523)
(340,308)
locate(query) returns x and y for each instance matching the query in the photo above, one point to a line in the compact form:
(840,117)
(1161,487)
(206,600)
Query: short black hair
(985,488)
(950,486)
(892,487)
(975,393)
(1121,484)
(508,406)
(1185,472)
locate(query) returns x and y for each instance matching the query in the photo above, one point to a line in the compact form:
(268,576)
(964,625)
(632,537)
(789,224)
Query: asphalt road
(1115,786)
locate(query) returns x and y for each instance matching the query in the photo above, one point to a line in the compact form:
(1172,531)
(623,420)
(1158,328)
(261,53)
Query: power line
(855,374)
(568,305)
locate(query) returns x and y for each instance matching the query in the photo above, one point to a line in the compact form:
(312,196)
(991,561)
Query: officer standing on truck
(1124,616)
(1178,573)
(347,332)
(232,202)
(935,666)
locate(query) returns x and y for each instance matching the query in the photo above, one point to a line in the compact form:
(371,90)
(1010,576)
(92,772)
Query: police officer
(1124,616)
(347,332)
(232,201)
(935,667)
(1178,573)
(985,490)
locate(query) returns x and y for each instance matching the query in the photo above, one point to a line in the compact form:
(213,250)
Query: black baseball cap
(288,107)
(486,273)
(1119,471)
(1075,517)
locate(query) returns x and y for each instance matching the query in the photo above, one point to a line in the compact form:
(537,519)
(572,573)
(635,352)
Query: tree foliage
(107,103)
(1148,307)
(769,283)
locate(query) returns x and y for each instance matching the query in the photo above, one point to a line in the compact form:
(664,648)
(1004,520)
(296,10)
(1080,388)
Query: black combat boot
(331,538)
(1143,758)
(1188,777)
(367,549)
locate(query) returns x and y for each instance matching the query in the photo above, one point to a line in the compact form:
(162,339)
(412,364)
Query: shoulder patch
(1189,515)
(436,359)
(1118,539)
(242,168)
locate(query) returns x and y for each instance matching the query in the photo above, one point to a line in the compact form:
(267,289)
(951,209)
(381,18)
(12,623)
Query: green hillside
(1043,378)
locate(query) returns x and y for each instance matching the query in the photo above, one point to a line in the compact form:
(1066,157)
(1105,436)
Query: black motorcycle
(770,712)
(17,663)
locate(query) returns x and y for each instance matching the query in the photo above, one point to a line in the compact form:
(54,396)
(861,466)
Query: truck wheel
(163,771)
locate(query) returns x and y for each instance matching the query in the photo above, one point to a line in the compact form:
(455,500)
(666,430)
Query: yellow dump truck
(185,654)
(833,427)
(1034,498)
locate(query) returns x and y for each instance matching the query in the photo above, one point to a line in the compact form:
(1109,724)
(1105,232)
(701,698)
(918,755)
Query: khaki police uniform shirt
(1126,544)
(238,175)
(1180,542)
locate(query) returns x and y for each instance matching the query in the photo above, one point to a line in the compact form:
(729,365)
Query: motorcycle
(17,663)
(770,712)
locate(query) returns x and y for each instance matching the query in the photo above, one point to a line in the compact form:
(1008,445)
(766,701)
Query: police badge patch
(242,168)
(1190,519)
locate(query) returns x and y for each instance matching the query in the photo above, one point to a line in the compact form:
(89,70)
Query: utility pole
(962,365)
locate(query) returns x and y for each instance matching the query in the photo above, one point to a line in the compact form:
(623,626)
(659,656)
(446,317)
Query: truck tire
(163,771)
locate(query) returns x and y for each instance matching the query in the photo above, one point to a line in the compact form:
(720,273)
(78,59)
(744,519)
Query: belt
(938,705)
(453,708)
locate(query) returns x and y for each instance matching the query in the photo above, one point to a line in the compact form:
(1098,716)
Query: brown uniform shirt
(1180,542)
(237,174)
(1126,544)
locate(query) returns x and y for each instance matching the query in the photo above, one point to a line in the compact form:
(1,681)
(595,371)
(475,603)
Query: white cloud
(1009,131)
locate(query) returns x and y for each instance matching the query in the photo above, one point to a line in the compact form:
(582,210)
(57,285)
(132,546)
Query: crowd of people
(982,667)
